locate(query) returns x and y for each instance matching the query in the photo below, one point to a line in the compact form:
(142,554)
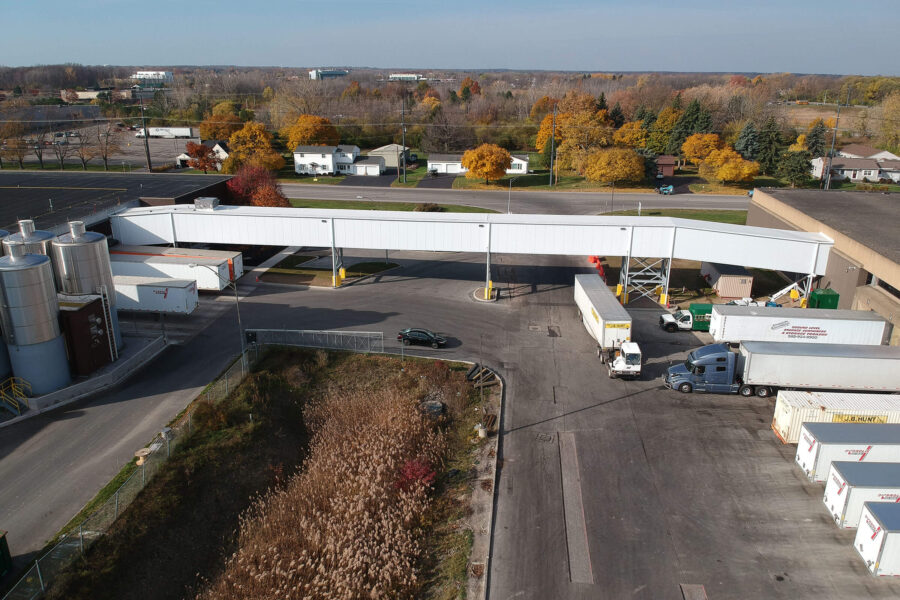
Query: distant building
(325,160)
(153,78)
(665,165)
(452,163)
(393,154)
(863,151)
(405,77)
(220,147)
(854,169)
(319,74)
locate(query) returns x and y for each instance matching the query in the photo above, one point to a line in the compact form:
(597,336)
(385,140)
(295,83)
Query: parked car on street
(412,335)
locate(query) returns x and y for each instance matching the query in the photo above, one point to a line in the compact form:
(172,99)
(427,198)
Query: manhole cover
(544,437)
(553,330)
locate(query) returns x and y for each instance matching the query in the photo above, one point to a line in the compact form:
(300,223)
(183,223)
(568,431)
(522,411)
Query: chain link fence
(357,341)
(74,543)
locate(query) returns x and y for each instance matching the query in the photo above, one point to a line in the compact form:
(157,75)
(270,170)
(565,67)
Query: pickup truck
(696,318)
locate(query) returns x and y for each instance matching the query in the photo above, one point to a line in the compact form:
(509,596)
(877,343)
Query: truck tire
(685,388)
(763,392)
(746,391)
(671,328)
(611,374)
(601,355)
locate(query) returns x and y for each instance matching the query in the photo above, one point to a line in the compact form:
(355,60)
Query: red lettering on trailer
(810,441)
(163,293)
(876,529)
(889,497)
(861,453)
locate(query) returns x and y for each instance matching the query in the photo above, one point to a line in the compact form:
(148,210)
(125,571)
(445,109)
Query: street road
(561,203)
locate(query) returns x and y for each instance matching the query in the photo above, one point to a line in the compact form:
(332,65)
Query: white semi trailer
(793,408)
(824,443)
(607,321)
(168,133)
(155,294)
(209,273)
(878,538)
(733,324)
(849,485)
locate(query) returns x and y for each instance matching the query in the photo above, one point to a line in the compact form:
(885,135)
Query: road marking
(576,530)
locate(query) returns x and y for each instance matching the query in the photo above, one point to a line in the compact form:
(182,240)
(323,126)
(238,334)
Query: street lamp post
(237,304)
(509,197)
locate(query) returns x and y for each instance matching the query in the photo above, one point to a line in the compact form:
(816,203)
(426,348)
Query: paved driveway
(370,180)
(442,181)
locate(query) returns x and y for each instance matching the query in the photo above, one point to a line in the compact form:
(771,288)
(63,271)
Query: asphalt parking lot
(384,180)
(441,181)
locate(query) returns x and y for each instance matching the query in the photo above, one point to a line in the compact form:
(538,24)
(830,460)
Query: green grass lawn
(370,205)
(541,181)
(413,176)
(735,217)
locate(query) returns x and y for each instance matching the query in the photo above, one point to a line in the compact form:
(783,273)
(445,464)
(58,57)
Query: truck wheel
(611,374)
(763,392)
(746,391)
(685,388)
(601,355)
(671,328)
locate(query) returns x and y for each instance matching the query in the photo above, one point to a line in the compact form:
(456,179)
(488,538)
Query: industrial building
(320,74)
(864,266)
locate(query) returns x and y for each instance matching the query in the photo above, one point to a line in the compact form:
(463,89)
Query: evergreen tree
(747,143)
(695,119)
(676,101)
(640,113)
(649,119)
(601,102)
(617,116)
(770,147)
(795,167)
(815,139)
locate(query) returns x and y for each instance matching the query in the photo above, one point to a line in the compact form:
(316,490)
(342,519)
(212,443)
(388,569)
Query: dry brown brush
(350,524)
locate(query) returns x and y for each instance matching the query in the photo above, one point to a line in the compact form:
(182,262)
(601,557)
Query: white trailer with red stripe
(235,260)
(852,484)
(878,537)
(824,443)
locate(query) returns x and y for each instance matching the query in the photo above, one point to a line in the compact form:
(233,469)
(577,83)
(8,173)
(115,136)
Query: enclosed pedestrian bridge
(648,244)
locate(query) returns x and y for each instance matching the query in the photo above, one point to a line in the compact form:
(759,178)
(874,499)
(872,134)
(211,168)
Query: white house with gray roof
(325,160)
(452,163)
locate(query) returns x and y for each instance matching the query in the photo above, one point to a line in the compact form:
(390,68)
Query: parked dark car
(412,335)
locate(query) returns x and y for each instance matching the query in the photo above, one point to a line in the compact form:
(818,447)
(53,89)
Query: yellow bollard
(803,303)
(336,280)
(795,294)
(618,290)
(342,272)
(625,299)
(663,298)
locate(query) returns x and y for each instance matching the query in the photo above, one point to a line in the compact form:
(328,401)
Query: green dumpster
(701,314)
(824,298)
(5,558)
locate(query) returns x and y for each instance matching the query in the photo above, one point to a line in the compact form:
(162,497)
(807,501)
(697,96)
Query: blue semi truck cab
(713,368)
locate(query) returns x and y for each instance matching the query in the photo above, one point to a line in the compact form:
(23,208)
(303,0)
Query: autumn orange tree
(631,135)
(542,106)
(614,165)
(726,165)
(662,129)
(700,145)
(311,130)
(203,158)
(489,161)
(257,186)
(473,86)
(546,129)
(252,145)
(580,135)
(219,127)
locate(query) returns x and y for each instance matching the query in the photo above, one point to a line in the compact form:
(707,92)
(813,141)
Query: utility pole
(837,118)
(146,133)
(403,132)
(552,141)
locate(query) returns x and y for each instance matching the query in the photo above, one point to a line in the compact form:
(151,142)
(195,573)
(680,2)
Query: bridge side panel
(434,236)
(749,250)
(142,230)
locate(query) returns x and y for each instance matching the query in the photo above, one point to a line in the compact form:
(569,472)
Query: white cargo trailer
(734,324)
(166,132)
(878,538)
(794,408)
(154,294)
(607,321)
(852,484)
(235,259)
(824,443)
(209,273)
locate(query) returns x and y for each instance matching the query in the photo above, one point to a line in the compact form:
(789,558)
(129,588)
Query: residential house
(393,154)
(220,147)
(368,165)
(854,169)
(665,165)
(452,163)
(890,169)
(863,151)
(325,160)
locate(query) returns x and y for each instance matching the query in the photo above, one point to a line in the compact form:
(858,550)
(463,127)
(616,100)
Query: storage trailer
(209,273)
(878,538)
(849,485)
(734,324)
(793,408)
(607,321)
(235,259)
(762,368)
(154,294)
(168,133)
(824,443)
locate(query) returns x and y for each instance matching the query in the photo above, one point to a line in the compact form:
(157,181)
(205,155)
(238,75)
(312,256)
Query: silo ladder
(14,394)
(107,315)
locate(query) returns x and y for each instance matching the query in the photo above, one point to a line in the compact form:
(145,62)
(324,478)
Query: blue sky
(800,36)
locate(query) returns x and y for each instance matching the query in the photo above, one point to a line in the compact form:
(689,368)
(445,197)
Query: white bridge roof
(662,237)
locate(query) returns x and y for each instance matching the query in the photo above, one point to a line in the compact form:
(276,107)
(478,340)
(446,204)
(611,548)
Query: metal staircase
(14,393)
(107,316)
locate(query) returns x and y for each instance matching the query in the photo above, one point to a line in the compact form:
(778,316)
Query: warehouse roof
(869,218)
(52,199)
(866,474)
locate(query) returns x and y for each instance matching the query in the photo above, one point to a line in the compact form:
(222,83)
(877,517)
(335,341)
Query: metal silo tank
(81,262)
(5,368)
(36,241)
(29,313)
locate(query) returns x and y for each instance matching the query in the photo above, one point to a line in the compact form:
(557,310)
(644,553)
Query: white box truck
(209,273)
(851,484)
(169,133)
(793,408)
(235,259)
(607,321)
(154,294)
(762,368)
(878,538)
(824,443)
(734,324)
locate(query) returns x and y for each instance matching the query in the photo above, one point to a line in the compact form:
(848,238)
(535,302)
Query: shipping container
(209,273)
(607,321)
(849,485)
(728,281)
(824,443)
(878,538)
(235,259)
(794,407)
(153,294)
(733,324)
